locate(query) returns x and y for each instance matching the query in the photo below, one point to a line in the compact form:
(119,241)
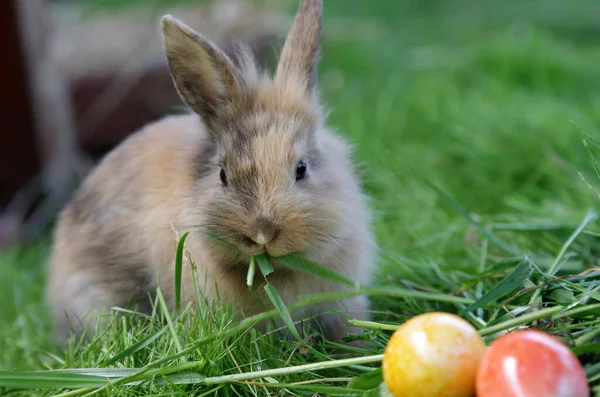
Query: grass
(483,192)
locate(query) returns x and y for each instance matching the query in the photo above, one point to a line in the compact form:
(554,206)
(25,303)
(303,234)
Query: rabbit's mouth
(275,242)
(272,249)
(255,250)
(258,246)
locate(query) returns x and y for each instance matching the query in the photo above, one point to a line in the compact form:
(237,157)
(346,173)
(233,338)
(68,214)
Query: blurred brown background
(76,83)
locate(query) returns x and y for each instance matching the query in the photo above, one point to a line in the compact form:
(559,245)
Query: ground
(465,120)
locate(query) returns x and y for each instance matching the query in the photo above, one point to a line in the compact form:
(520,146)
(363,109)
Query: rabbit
(251,161)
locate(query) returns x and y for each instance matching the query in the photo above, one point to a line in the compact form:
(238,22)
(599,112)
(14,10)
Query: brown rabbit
(254,164)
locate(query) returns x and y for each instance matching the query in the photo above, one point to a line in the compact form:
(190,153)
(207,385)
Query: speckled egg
(530,363)
(433,355)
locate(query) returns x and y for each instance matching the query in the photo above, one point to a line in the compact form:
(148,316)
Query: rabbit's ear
(203,75)
(300,53)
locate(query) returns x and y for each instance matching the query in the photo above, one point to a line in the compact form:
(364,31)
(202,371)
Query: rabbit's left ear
(300,54)
(203,75)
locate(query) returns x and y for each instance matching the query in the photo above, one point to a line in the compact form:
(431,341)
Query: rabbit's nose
(265,231)
(259,239)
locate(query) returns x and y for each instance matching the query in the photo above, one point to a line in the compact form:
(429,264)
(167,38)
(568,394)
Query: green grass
(482,191)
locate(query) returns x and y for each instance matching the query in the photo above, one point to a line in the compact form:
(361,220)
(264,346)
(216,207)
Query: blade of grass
(481,269)
(109,373)
(588,337)
(135,347)
(590,216)
(507,285)
(264,265)
(143,375)
(585,134)
(251,272)
(374,325)
(179,378)
(293,369)
(592,370)
(482,229)
(367,381)
(281,309)
(308,266)
(583,349)
(178,269)
(199,301)
(283,312)
(551,312)
(48,380)
(166,313)
(397,292)
(216,238)
(592,159)
(316,389)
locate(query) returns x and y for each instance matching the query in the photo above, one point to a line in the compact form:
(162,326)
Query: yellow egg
(433,355)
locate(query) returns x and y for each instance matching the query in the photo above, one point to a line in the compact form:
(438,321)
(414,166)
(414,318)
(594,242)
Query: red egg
(530,363)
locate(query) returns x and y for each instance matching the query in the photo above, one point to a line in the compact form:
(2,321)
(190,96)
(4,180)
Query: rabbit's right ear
(300,53)
(203,75)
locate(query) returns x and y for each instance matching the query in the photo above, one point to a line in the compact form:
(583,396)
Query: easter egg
(433,354)
(532,364)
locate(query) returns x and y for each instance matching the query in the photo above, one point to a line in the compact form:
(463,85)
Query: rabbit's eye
(223,177)
(300,170)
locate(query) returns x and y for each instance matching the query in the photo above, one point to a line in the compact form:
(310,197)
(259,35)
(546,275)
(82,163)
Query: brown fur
(115,237)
